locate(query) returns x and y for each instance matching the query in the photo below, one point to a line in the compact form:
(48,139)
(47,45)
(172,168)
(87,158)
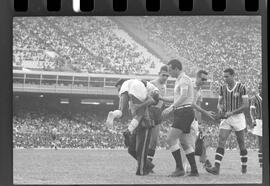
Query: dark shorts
(155,114)
(183,119)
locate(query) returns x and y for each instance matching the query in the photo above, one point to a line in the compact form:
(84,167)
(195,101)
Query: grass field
(65,166)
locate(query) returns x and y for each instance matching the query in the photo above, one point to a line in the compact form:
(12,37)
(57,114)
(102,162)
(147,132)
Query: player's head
(201,77)
(228,75)
(119,84)
(164,74)
(175,67)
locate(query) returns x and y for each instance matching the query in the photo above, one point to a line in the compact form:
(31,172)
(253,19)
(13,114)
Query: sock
(244,158)
(260,157)
(219,155)
(192,162)
(151,154)
(178,159)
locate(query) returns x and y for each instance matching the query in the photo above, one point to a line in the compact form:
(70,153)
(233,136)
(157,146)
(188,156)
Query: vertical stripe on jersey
(233,100)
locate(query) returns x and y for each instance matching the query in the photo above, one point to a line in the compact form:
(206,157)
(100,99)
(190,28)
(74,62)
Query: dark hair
(164,68)
(230,71)
(120,82)
(202,72)
(175,64)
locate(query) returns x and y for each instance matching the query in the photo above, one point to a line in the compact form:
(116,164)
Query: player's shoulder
(241,85)
(186,79)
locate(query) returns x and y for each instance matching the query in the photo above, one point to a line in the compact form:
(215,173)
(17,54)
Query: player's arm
(220,100)
(167,99)
(252,110)
(243,107)
(201,110)
(244,103)
(147,102)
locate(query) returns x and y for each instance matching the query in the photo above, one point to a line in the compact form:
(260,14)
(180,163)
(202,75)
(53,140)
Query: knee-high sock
(219,155)
(151,154)
(175,149)
(192,162)
(244,158)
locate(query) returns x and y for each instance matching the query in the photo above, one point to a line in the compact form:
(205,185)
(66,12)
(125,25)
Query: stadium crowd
(33,129)
(92,45)
(82,45)
(213,43)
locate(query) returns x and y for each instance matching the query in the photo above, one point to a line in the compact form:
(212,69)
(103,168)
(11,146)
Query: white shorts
(235,122)
(258,128)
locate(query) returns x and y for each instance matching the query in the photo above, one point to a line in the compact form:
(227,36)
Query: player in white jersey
(233,100)
(140,94)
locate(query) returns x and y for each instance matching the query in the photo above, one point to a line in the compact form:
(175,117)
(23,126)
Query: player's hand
(109,121)
(228,114)
(220,109)
(166,112)
(253,124)
(210,114)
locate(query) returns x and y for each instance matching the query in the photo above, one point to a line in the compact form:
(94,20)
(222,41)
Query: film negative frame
(105,8)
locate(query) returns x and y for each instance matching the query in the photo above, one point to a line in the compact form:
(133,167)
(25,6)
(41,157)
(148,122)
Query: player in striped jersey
(256,116)
(233,100)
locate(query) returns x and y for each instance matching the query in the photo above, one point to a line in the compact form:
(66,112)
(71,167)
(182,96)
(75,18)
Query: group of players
(146,102)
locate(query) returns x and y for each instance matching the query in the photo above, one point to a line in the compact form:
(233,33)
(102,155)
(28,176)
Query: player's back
(134,87)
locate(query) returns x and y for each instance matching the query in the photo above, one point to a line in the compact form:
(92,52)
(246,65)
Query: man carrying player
(140,95)
(233,100)
(256,116)
(183,117)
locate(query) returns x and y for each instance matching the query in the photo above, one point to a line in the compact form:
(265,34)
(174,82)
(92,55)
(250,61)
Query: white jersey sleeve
(135,88)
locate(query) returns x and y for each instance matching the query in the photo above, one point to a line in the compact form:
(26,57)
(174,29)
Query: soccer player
(183,117)
(233,100)
(54,138)
(256,116)
(137,136)
(198,136)
(156,110)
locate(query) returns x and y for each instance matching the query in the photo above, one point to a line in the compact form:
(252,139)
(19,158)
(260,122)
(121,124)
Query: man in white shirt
(183,117)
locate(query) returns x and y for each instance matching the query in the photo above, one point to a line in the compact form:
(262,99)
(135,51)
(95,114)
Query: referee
(183,117)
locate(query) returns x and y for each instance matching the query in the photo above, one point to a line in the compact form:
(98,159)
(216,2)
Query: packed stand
(81,45)
(213,43)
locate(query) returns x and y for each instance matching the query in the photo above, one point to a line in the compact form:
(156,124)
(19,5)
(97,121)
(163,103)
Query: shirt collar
(181,75)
